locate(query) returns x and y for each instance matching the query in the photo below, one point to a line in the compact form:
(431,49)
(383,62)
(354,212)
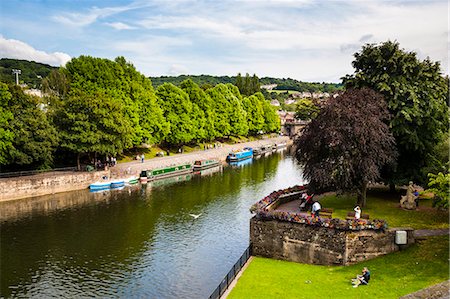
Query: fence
(33,172)
(225,283)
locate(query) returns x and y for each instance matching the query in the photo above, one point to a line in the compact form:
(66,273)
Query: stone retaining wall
(47,183)
(319,245)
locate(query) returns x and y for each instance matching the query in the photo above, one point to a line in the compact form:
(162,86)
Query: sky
(304,39)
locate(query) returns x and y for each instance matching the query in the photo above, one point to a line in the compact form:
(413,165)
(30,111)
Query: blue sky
(304,39)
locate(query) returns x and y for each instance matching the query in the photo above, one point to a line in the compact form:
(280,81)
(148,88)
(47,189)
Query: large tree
(347,144)
(6,133)
(417,96)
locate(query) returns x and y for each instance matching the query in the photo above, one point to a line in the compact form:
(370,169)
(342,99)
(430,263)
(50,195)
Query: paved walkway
(418,233)
(135,167)
(437,291)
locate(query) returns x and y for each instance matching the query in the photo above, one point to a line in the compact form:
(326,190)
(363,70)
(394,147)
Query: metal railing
(33,172)
(226,281)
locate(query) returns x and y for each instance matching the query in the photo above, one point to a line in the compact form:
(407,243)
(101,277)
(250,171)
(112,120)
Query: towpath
(135,167)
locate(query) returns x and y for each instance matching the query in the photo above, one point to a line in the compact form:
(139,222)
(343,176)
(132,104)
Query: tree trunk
(362,195)
(392,187)
(78,161)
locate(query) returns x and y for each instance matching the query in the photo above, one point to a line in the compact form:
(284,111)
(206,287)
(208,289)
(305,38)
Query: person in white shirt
(316,208)
(357,210)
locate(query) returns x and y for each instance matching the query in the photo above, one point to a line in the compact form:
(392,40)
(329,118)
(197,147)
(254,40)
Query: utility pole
(17,73)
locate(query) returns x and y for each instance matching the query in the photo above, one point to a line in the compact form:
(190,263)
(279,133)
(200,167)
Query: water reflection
(139,241)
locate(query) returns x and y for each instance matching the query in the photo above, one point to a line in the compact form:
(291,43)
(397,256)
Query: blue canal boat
(100,185)
(117,184)
(246,153)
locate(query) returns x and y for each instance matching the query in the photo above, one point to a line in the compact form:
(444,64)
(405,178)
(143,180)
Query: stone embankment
(56,182)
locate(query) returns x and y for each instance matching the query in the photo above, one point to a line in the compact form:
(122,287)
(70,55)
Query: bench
(351,216)
(326,213)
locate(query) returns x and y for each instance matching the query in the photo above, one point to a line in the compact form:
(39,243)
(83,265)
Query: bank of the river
(56,182)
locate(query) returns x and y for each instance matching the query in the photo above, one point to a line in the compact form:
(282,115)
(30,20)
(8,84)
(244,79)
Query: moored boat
(205,164)
(246,153)
(100,185)
(132,180)
(165,172)
(262,150)
(117,183)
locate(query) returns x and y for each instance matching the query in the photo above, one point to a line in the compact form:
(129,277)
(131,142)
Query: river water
(139,242)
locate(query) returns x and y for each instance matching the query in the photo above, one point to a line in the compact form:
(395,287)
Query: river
(139,242)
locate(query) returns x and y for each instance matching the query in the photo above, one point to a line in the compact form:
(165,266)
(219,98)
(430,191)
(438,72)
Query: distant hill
(282,84)
(31,72)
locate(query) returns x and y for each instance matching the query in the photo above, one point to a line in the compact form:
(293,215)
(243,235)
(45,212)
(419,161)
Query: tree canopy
(416,94)
(347,144)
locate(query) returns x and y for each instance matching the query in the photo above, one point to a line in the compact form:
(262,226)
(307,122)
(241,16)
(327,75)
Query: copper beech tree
(347,144)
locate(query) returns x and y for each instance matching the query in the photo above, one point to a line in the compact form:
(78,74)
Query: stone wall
(319,245)
(47,183)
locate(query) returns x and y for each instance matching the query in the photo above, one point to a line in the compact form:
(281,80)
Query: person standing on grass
(357,210)
(316,208)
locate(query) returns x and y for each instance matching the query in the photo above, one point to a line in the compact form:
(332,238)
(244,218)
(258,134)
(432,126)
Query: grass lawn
(382,204)
(392,276)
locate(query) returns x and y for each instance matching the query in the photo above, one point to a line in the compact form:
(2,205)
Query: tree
(271,119)
(6,134)
(35,137)
(347,144)
(177,110)
(306,110)
(91,121)
(438,184)
(416,94)
(255,114)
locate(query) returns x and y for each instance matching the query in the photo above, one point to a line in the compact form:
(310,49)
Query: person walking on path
(316,208)
(142,158)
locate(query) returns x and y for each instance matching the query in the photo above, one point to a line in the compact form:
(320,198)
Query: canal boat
(262,150)
(165,172)
(241,163)
(100,185)
(246,153)
(205,164)
(117,183)
(279,146)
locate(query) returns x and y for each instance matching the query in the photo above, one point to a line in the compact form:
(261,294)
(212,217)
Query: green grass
(392,276)
(384,205)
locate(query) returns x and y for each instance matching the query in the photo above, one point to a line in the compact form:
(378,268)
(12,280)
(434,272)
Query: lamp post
(17,73)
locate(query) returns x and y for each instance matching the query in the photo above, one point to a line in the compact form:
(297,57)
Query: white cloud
(178,69)
(11,48)
(120,26)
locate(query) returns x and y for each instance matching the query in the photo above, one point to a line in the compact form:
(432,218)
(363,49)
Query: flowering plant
(260,208)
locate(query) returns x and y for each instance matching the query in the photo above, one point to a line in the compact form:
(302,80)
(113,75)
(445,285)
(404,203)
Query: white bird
(195,216)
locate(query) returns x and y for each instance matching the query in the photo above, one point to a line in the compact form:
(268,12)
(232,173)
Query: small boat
(132,180)
(205,164)
(100,185)
(246,153)
(117,183)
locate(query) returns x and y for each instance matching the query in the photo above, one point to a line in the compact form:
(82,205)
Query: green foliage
(35,137)
(271,119)
(439,184)
(6,133)
(438,158)
(93,122)
(248,85)
(31,72)
(392,276)
(253,105)
(306,110)
(292,84)
(416,94)
(178,111)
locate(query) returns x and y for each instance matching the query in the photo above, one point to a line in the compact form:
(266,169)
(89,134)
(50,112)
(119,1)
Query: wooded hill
(31,72)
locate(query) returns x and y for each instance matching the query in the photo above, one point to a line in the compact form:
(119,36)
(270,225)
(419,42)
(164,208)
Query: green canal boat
(165,172)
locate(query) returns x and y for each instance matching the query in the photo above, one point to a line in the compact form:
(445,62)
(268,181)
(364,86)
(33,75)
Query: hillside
(31,72)
(283,84)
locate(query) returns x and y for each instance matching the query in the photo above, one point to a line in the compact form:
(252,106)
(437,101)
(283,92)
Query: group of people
(308,203)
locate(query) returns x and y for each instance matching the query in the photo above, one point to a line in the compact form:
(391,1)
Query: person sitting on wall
(316,208)
(362,279)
